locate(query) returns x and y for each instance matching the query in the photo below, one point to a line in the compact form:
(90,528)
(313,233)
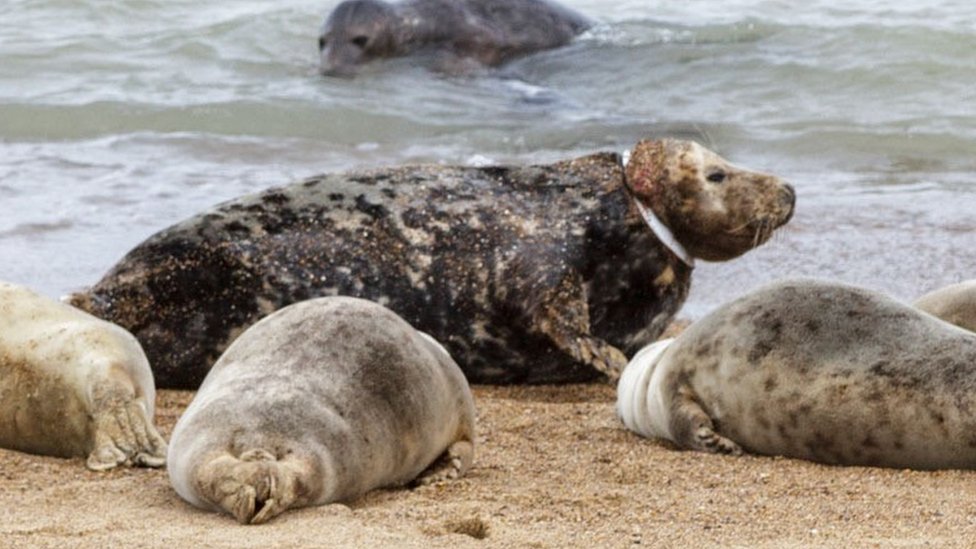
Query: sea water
(120,118)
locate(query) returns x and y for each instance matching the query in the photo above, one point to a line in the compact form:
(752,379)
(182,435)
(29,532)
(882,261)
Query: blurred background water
(120,118)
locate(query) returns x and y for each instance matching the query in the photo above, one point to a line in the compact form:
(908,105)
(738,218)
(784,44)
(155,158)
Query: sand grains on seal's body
(321,402)
(72,385)
(818,371)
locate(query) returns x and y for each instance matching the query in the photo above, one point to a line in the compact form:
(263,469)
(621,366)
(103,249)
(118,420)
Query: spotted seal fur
(489,32)
(321,402)
(72,385)
(813,370)
(527,274)
(955,304)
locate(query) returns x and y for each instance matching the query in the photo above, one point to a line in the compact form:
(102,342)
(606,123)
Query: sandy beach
(123,118)
(554,468)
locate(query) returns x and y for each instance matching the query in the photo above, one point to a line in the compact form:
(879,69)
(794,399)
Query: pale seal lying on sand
(812,370)
(955,304)
(321,402)
(530,274)
(488,32)
(72,385)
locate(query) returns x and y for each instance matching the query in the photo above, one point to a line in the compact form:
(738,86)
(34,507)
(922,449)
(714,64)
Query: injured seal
(956,304)
(812,370)
(527,274)
(486,32)
(321,402)
(72,385)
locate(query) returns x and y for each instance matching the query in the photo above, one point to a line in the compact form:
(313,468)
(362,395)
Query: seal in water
(955,304)
(812,370)
(72,385)
(489,32)
(533,274)
(321,402)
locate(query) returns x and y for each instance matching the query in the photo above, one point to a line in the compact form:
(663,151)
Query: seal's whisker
(758,238)
(779,236)
(740,228)
(766,230)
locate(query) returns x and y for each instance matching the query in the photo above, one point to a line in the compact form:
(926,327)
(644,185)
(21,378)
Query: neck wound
(664,234)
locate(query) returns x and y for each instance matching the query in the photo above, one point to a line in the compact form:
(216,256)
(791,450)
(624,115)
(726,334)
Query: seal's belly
(831,415)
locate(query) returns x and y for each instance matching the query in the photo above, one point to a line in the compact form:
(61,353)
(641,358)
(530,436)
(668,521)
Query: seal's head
(715,210)
(356,32)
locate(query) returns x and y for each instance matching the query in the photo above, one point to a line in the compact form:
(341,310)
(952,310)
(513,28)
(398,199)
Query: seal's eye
(716,177)
(360,41)
(322,43)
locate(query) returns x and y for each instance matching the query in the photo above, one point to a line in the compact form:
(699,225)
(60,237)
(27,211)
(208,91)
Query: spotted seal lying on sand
(532,274)
(812,370)
(321,402)
(955,304)
(72,385)
(489,32)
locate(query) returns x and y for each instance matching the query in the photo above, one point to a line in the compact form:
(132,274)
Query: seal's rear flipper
(452,464)
(255,487)
(124,433)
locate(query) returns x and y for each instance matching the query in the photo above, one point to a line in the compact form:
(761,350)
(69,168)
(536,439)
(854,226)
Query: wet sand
(554,468)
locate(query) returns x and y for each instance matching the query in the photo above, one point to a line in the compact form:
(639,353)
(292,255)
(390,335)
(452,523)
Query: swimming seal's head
(357,31)
(717,211)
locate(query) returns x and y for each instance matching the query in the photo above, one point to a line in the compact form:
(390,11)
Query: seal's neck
(660,230)
(663,233)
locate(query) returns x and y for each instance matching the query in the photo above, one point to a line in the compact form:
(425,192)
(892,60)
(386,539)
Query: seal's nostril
(789,194)
(788,199)
(789,190)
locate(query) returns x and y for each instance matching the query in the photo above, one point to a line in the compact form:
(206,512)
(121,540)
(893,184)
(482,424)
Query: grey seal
(812,370)
(955,304)
(485,32)
(72,385)
(317,403)
(527,274)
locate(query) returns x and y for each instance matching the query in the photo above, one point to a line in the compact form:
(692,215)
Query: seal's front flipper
(561,314)
(603,357)
(452,464)
(693,429)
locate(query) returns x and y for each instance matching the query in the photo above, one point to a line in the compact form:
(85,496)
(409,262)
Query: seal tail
(255,487)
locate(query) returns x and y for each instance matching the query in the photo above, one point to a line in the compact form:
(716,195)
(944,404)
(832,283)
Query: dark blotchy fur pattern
(537,274)
(489,32)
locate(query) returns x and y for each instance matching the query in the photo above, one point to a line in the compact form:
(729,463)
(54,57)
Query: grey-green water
(120,118)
